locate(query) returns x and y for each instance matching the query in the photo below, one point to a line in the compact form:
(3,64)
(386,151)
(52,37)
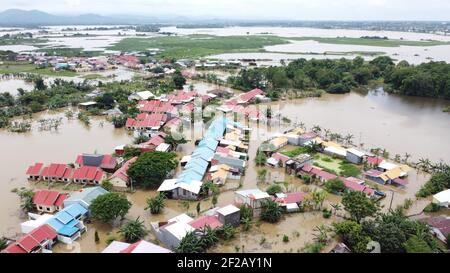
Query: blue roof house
(68,223)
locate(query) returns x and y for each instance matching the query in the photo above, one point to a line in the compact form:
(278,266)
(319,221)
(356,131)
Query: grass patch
(348,169)
(329,163)
(194,46)
(295,152)
(369,42)
(18,67)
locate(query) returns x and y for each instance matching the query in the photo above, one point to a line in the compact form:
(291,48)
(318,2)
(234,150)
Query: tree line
(340,76)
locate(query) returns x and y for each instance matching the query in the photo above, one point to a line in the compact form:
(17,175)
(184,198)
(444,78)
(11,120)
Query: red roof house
(38,239)
(88,174)
(34,172)
(207,220)
(57,172)
(48,201)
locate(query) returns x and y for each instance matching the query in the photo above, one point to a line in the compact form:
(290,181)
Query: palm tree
(322,234)
(406,157)
(156,204)
(316,129)
(424,164)
(271,212)
(133,231)
(227,232)
(190,244)
(338,137)
(302,125)
(336,207)
(349,139)
(208,237)
(327,132)
(318,196)
(397,158)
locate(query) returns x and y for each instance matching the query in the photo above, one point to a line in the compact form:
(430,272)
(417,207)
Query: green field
(11,68)
(368,42)
(194,46)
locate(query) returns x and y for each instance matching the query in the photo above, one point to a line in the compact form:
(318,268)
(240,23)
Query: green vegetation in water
(341,76)
(20,41)
(21,67)
(369,41)
(194,46)
(446,109)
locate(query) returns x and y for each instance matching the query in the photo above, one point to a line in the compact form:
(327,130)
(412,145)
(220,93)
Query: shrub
(274,189)
(432,207)
(285,238)
(326,213)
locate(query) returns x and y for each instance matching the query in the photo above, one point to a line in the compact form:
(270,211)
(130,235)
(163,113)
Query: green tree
(156,204)
(318,197)
(178,80)
(208,237)
(226,232)
(190,244)
(109,206)
(26,199)
(151,168)
(133,231)
(96,237)
(260,158)
(335,185)
(359,206)
(107,185)
(417,245)
(119,121)
(274,189)
(271,211)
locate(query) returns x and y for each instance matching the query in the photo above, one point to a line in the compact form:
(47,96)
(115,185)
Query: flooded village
(174,151)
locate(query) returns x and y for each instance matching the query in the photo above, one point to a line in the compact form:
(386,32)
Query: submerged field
(194,46)
(17,67)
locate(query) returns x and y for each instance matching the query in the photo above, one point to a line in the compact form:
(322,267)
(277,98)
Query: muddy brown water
(396,123)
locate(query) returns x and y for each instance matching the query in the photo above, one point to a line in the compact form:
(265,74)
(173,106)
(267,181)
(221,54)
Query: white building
(173,231)
(442,198)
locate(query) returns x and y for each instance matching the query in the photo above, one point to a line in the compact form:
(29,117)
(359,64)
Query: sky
(250,9)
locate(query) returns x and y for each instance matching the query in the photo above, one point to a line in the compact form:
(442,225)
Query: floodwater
(62,146)
(305,32)
(399,124)
(11,86)
(312,49)
(412,54)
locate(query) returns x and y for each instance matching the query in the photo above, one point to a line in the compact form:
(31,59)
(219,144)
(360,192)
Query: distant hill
(20,18)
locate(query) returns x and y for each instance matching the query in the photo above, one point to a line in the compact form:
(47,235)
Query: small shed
(229,215)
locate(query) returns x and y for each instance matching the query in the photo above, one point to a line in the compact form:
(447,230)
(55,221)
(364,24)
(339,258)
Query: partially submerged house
(202,222)
(393,176)
(39,240)
(120,179)
(442,198)
(173,231)
(105,162)
(143,95)
(229,215)
(84,197)
(440,227)
(68,223)
(355,184)
(279,142)
(57,173)
(89,175)
(277,160)
(296,164)
(138,247)
(289,201)
(355,156)
(49,201)
(34,171)
(254,198)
